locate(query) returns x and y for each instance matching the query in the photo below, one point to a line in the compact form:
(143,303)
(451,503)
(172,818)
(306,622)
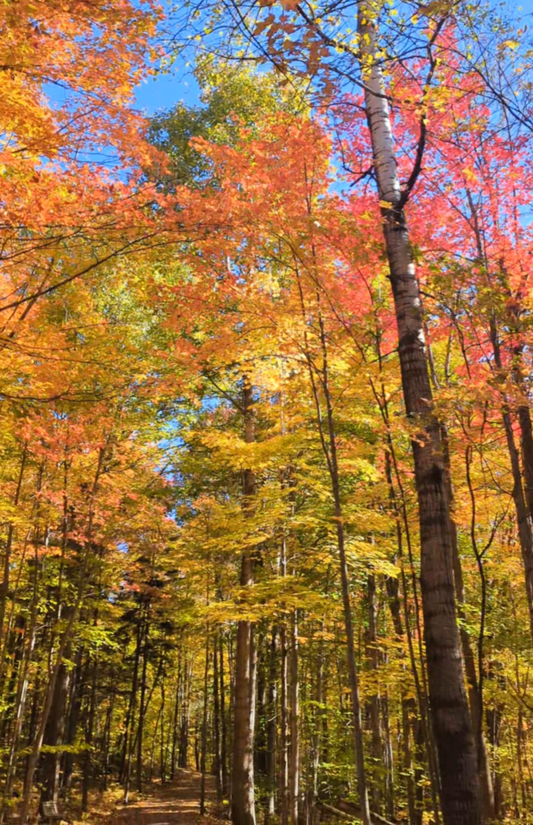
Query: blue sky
(165,90)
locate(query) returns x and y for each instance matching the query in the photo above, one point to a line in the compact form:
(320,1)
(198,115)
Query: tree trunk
(374,699)
(4,585)
(294,763)
(217,720)
(20,707)
(162,749)
(39,733)
(203,755)
(223,723)
(526,441)
(272,731)
(524,518)
(127,751)
(183,759)
(107,743)
(284,725)
(175,717)
(460,791)
(242,796)
(142,711)
(474,694)
(76,697)
(55,729)
(89,735)
(328,440)
(316,734)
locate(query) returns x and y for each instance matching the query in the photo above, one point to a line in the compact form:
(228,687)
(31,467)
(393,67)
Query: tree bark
(524,518)
(4,585)
(526,441)
(294,763)
(203,755)
(217,720)
(223,722)
(242,796)
(328,439)
(272,731)
(374,699)
(284,722)
(460,791)
(54,733)
(142,710)
(474,694)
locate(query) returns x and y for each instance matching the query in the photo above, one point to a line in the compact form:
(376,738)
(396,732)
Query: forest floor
(177,803)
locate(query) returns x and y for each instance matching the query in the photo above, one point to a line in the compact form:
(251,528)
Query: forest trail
(177,803)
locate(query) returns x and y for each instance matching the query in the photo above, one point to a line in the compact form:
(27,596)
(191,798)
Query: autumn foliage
(266,449)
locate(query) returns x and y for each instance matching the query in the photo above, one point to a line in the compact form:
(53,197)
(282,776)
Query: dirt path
(175,804)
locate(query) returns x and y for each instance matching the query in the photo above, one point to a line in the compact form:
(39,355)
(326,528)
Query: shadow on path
(175,804)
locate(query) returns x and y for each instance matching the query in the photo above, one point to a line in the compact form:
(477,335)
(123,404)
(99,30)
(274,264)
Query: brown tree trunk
(203,755)
(242,796)
(294,712)
(89,734)
(284,727)
(373,704)
(76,697)
(142,711)
(524,518)
(125,770)
(316,734)
(6,567)
(272,732)
(526,441)
(328,439)
(223,722)
(183,758)
(173,750)
(217,720)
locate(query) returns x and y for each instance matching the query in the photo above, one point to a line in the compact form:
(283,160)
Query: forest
(266,388)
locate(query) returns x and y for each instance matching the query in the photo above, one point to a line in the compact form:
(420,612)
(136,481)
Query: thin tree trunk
(20,707)
(284,724)
(203,756)
(216,720)
(107,743)
(76,696)
(125,771)
(175,721)
(294,763)
(317,731)
(524,517)
(4,585)
(89,735)
(374,699)
(272,732)
(185,718)
(526,441)
(142,711)
(328,438)
(162,749)
(154,743)
(223,722)
(242,795)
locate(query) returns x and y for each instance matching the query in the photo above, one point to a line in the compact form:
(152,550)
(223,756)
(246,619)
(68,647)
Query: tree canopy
(266,452)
